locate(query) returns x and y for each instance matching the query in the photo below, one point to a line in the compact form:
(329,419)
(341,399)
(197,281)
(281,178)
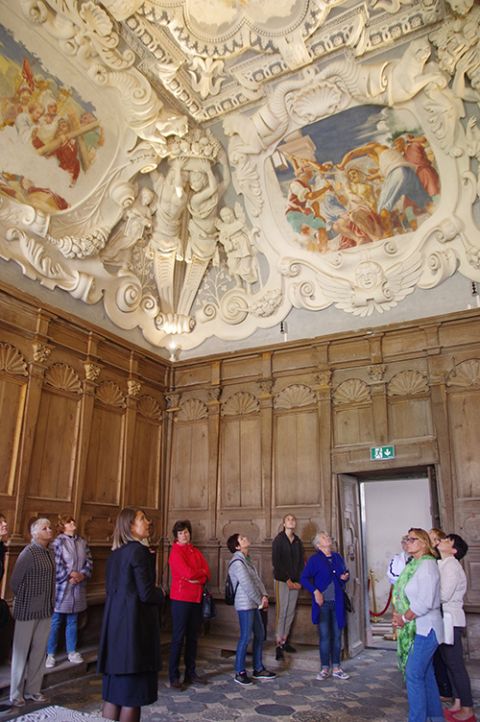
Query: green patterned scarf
(405,634)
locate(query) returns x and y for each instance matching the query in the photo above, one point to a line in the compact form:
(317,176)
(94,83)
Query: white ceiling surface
(254,74)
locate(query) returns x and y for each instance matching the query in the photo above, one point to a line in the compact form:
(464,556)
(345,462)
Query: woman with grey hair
(33,584)
(325,576)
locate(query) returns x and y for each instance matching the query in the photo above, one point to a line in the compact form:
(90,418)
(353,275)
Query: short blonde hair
(423,536)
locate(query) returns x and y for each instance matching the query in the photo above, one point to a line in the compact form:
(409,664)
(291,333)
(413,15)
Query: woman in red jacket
(189,571)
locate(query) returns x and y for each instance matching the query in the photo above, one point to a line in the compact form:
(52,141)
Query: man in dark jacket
(288,559)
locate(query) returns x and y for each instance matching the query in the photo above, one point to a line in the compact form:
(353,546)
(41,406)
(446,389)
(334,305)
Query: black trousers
(186,622)
(452,656)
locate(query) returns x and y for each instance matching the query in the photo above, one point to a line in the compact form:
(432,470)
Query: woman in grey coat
(250,598)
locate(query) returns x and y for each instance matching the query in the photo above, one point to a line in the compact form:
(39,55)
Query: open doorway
(390,505)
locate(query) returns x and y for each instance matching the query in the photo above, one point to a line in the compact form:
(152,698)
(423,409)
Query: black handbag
(208,605)
(348,604)
(5,615)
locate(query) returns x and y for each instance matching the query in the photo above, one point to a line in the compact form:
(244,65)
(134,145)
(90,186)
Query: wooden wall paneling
(322,388)
(87,404)
(104,474)
(214,395)
(241,453)
(32,406)
(353,413)
(409,408)
(296,448)
(54,449)
(190,457)
(13,389)
(438,367)
(143,487)
(266,446)
(464,417)
(378,394)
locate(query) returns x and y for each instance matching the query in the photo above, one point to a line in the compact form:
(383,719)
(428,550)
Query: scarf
(405,634)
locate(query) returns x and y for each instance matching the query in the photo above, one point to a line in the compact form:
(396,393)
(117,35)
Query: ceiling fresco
(201,169)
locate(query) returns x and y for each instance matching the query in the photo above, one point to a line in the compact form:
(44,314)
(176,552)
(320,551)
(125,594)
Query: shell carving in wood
(351,391)
(465,374)
(294,396)
(192,410)
(63,377)
(408,383)
(240,404)
(149,407)
(110,394)
(12,361)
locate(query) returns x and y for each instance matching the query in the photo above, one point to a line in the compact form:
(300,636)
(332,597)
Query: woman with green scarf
(417,616)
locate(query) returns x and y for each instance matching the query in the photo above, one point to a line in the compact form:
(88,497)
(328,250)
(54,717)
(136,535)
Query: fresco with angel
(50,136)
(355,178)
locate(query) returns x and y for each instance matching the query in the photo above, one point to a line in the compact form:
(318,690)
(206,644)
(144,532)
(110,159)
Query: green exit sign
(380,453)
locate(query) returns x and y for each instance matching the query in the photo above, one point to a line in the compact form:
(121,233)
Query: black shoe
(5,707)
(243,679)
(263,674)
(176,684)
(279,655)
(288,648)
(195,679)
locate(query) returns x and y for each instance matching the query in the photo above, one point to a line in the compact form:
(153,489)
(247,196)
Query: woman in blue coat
(129,651)
(325,576)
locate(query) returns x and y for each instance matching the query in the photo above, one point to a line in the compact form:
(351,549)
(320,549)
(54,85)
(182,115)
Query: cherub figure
(137,223)
(240,252)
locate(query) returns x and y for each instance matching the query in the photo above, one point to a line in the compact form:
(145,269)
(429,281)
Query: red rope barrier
(380,614)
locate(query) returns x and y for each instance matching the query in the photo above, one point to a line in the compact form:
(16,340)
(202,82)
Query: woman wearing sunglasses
(418,618)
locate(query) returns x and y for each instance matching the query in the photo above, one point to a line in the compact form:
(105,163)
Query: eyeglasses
(412,538)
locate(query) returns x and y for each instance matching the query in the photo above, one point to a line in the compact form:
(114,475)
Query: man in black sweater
(288,559)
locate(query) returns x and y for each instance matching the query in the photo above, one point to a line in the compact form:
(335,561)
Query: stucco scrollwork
(12,360)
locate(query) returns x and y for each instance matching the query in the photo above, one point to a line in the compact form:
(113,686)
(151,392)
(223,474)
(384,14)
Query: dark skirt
(130,690)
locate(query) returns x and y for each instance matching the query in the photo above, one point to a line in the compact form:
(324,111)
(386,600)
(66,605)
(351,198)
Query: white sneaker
(50,661)
(75,658)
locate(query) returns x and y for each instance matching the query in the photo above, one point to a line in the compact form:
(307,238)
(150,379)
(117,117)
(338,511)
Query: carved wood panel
(143,485)
(12,403)
(53,458)
(464,418)
(240,462)
(104,458)
(189,472)
(297,462)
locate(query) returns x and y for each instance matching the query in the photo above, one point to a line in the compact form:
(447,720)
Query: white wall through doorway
(390,508)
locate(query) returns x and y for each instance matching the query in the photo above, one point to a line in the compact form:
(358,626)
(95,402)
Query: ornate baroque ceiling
(202,168)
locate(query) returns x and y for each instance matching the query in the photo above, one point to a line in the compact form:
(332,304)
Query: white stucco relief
(178,241)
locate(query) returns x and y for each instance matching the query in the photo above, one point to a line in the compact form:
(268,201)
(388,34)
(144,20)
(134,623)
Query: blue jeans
(422,690)
(329,636)
(250,621)
(70,632)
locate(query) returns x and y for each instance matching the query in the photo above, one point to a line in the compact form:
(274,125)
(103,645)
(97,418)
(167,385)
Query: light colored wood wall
(90,424)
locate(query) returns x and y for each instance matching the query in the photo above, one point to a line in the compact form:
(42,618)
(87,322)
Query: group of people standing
(49,578)
(429,617)
(48,582)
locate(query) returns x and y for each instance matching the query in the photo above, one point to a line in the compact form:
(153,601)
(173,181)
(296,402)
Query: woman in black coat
(129,651)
